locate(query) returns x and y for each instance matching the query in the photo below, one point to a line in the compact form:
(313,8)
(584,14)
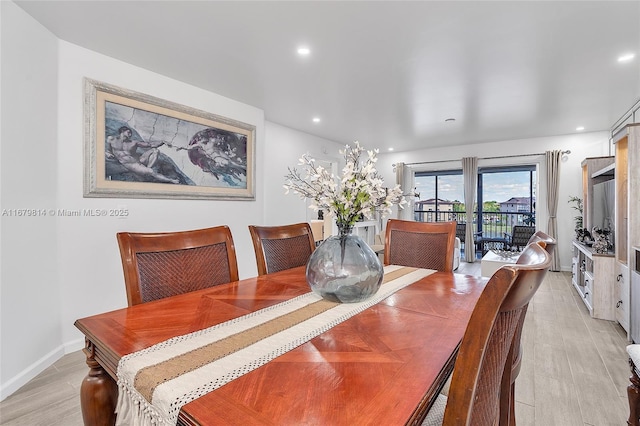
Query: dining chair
(507,394)
(633,389)
(549,241)
(158,265)
(426,245)
(281,247)
(483,358)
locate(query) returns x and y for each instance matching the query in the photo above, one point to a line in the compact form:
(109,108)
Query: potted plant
(579,206)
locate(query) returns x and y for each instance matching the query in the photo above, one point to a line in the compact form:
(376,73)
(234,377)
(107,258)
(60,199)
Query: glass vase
(344,268)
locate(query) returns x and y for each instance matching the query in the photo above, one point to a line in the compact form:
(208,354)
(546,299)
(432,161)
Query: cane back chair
(507,394)
(427,245)
(281,247)
(483,358)
(158,265)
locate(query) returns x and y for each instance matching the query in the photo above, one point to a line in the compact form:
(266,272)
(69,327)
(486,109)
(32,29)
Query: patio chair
(519,237)
(461,231)
(461,234)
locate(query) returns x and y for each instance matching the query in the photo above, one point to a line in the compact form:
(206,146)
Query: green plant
(579,207)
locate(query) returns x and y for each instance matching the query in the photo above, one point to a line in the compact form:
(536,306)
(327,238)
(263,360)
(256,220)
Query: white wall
(582,145)
(55,270)
(283,149)
(29,292)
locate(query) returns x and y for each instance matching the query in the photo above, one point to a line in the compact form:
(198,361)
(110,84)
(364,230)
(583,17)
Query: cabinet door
(582,267)
(588,291)
(621,298)
(574,270)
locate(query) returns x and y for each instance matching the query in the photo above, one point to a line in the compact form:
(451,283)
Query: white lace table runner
(156,382)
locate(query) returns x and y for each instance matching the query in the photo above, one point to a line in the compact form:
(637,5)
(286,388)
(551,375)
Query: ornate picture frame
(140,146)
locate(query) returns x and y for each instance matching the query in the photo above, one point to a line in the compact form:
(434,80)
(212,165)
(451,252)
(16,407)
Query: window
(441,196)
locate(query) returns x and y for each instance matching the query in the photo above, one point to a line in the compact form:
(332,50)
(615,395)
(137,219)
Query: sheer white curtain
(553,183)
(470,174)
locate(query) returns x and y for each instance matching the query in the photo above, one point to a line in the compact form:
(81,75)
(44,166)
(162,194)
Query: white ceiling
(387,73)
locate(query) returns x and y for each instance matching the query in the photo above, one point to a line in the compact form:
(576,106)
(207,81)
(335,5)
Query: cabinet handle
(619,303)
(586,293)
(619,277)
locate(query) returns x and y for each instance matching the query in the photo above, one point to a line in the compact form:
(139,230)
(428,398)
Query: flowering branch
(360,190)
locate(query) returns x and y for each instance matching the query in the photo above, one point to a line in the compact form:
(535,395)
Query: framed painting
(139,146)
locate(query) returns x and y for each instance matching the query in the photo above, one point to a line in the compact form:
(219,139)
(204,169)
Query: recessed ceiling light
(626,58)
(390,149)
(304,51)
(580,128)
(316,119)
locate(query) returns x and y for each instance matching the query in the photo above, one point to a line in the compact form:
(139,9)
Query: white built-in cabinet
(592,273)
(592,278)
(627,228)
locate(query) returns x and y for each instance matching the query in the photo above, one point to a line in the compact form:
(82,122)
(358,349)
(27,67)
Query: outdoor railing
(493,225)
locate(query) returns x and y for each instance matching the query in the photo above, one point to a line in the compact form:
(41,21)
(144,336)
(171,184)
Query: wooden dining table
(384,365)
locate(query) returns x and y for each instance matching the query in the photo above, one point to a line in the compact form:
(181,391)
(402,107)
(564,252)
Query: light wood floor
(574,369)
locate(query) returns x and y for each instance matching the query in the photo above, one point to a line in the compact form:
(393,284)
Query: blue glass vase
(344,268)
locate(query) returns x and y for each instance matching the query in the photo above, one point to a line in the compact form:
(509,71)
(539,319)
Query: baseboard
(74,345)
(21,379)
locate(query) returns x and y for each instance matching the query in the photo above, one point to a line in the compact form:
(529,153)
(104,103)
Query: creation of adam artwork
(145,146)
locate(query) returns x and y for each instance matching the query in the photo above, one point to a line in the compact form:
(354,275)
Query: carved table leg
(633,392)
(98,393)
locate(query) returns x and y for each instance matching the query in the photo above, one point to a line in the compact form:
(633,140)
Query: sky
(496,186)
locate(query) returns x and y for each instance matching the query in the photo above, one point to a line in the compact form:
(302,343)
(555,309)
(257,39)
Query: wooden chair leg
(507,405)
(633,393)
(505,401)
(512,405)
(508,384)
(507,393)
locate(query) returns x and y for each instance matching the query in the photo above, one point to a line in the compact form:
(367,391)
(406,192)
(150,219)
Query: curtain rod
(481,158)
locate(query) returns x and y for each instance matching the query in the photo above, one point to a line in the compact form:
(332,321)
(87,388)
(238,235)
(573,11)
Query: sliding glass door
(505,197)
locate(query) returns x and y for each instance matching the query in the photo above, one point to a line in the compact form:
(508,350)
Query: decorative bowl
(507,254)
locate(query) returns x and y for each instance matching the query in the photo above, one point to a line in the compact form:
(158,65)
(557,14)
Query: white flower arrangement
(358,192)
